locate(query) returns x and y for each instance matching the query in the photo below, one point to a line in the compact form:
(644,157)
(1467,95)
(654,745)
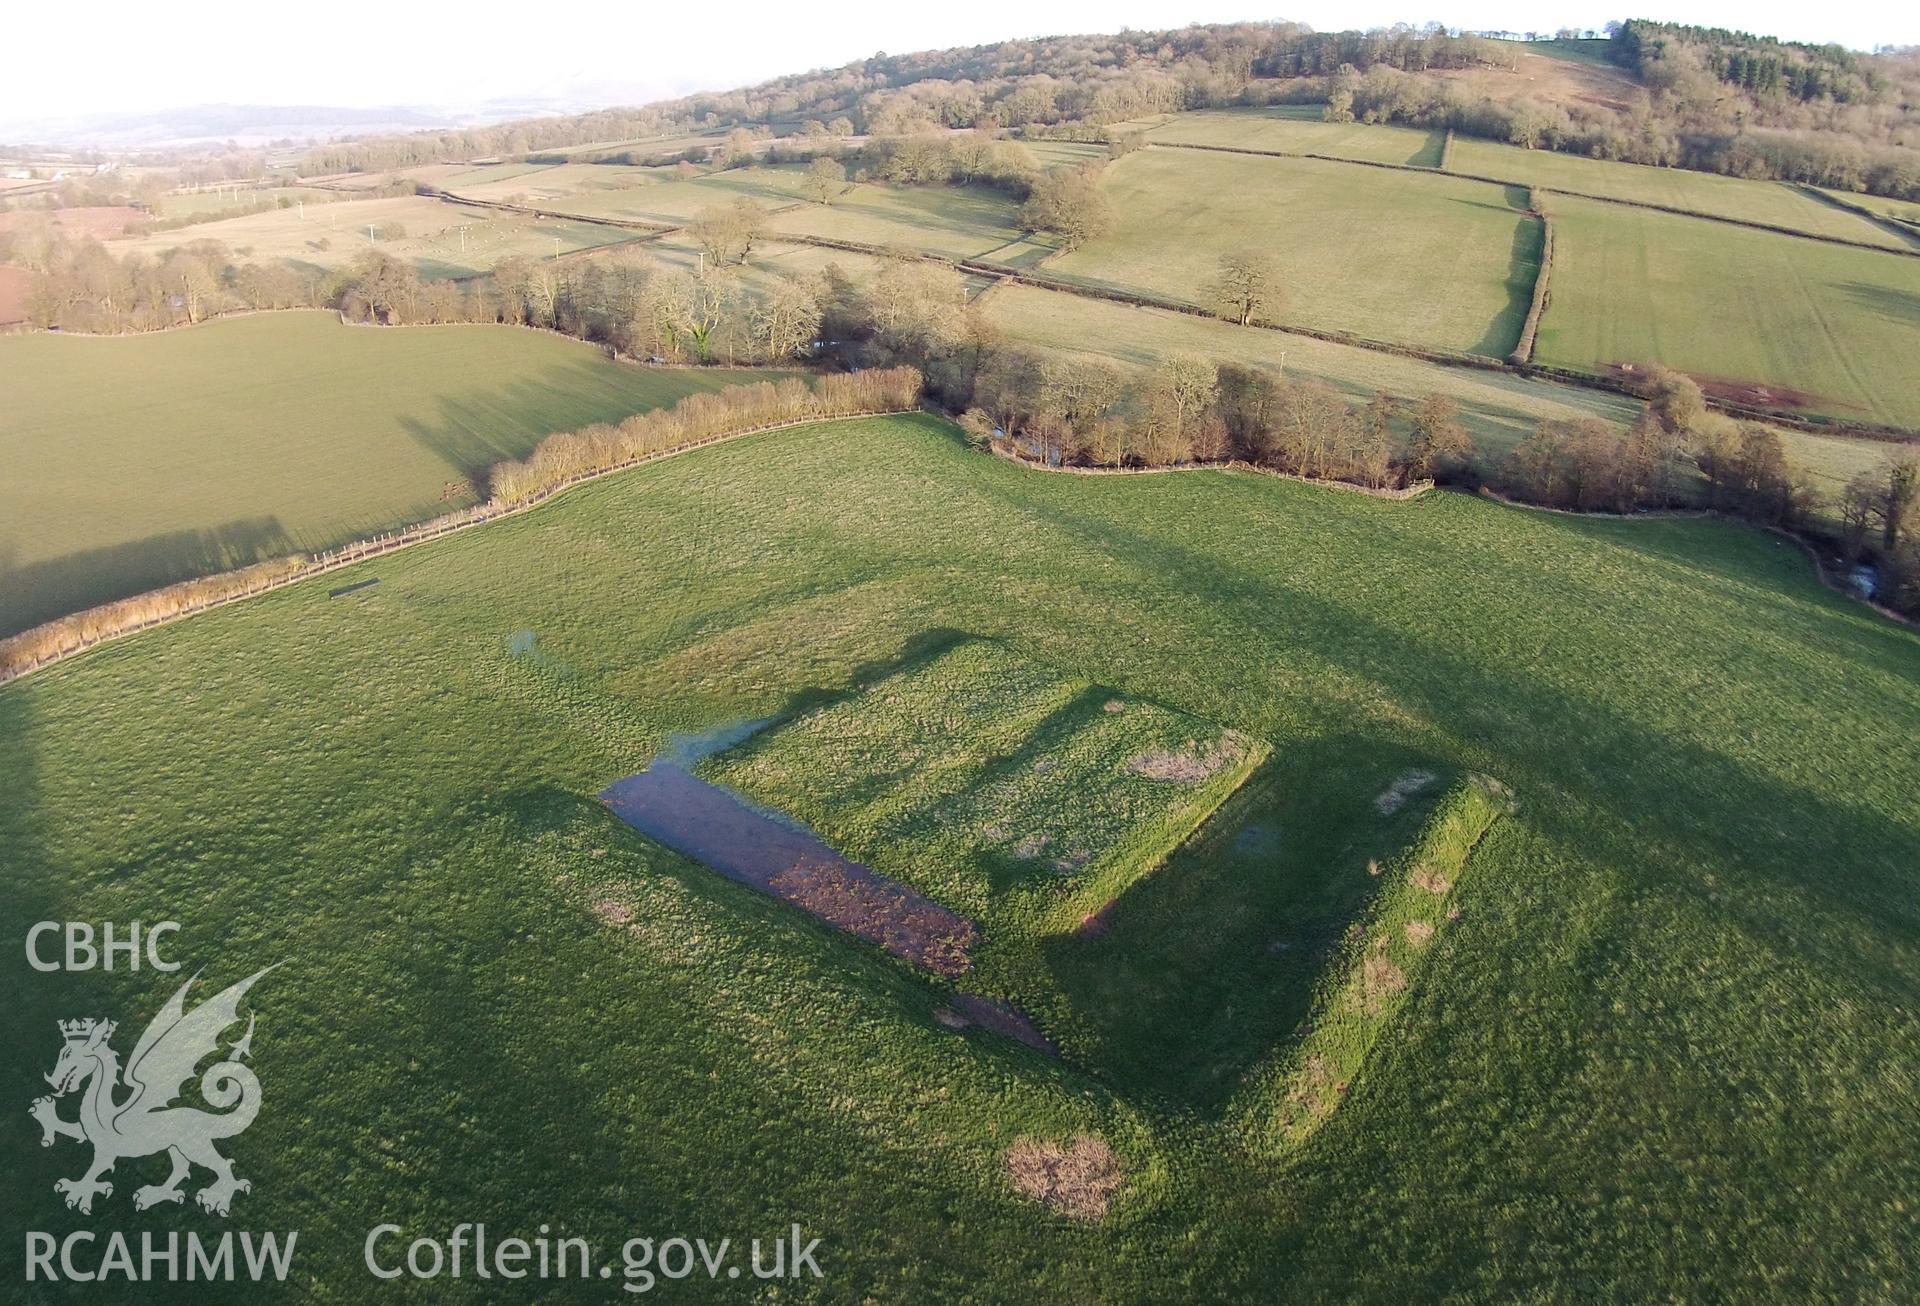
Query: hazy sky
(114,55)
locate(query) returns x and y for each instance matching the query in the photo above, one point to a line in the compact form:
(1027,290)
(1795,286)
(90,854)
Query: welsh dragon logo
(146,1121)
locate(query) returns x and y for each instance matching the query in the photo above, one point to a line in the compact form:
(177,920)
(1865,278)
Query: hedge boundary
(1398,494)
(1536,308)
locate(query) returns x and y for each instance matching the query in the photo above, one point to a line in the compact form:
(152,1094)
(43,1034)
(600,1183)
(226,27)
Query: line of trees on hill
(1718,102)
(628,301)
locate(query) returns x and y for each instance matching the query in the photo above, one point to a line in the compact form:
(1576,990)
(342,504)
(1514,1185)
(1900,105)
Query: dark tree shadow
(41,591)
(1523,267)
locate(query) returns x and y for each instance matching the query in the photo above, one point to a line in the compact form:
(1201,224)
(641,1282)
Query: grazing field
(652,197)
(211,205)
(771,259)
(1497,407)
(100,221)
(14,284)
(1689,960)
(1752,314)
(540,183)
(1907,211)
(1065,154)
(1394,256)
(1771,202)
(140,460)
(957,221)
(443,240)
(1298,129)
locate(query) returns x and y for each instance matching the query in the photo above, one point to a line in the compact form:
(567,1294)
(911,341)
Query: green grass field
(441,239)
(1666,1050)
(1394,256)
(1747,308)
(958,221)
(646,196)
(1907,211)
(1298,129)
(1772,202)
(141,460)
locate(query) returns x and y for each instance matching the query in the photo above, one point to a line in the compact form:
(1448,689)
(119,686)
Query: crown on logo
(80,1029)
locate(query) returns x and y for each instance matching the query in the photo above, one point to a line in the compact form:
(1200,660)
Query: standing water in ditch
(728,832)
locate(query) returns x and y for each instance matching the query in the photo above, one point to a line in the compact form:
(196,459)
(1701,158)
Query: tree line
(1708,100)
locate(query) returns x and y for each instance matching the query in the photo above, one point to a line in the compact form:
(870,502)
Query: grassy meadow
(646,195)
(957,221)
(1299,129)
(441,239)
(212,205)
(1689,961)
(140,460)
(1772,202)
(1394,256)
(1765,312)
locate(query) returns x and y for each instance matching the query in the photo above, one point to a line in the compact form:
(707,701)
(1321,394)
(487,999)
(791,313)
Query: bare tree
(1248,283)
(825,179)
(786,320)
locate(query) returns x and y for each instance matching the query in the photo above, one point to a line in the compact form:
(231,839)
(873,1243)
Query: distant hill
(253,125)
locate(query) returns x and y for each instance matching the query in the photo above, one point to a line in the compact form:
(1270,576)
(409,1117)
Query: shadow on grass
(1822,878)
(1523,267)
(1889,302)
(1211,962)
(41,591)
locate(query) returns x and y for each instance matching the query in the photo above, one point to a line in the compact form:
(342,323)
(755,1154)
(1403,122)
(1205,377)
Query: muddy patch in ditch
(777,855)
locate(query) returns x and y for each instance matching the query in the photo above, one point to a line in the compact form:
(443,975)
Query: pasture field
(1907,211)
(472,175)
(1299,129)
(441,239)
(100,221)
(771,259)
(1680,983)
(211,205)
(957,221)
(541,184)
(1750,313)
(434,173)
(135,461)
(673,201)
(1497,407)
(1394,256)
(1065,154)
(1771,202)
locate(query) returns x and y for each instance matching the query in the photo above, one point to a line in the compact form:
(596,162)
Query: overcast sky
(117,55)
